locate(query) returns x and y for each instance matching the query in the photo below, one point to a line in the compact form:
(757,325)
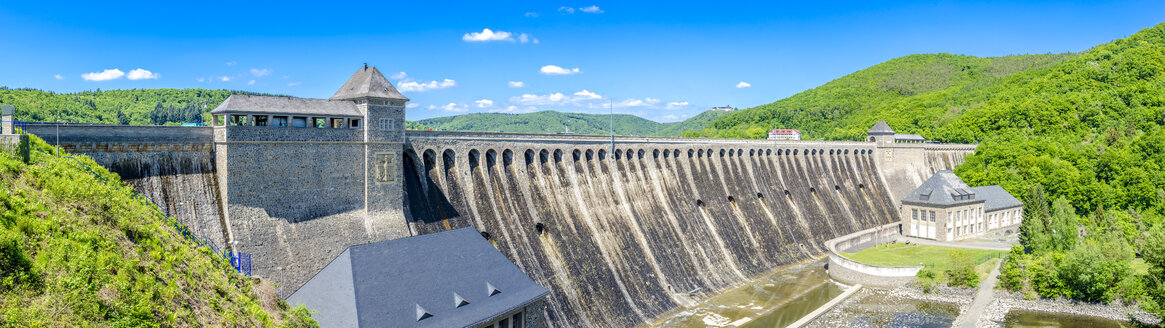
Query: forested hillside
(78,251)
(1079,137)
(912,93)
(546,122)
(133,107)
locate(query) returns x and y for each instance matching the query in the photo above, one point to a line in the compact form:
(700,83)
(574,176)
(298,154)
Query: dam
(621,230)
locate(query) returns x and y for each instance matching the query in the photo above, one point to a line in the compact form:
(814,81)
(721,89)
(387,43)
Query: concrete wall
(15,144)
(849,271)
(904,166)
(620,237)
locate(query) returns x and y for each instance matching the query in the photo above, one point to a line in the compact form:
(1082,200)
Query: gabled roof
(943,188)
(996,198)
(447,279)
(880,127)
(785,131)
(268,105)
(911,137)
(367,82)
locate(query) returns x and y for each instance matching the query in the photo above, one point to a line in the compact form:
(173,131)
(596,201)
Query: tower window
(354,123)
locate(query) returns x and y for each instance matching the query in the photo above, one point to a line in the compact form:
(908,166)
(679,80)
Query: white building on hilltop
(784,134)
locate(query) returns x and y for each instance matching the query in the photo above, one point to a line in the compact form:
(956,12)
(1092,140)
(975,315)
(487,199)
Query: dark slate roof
(268,105)
(395,282)
(996,198)
(367,82)
(911,137)
(943,188)
(881,127)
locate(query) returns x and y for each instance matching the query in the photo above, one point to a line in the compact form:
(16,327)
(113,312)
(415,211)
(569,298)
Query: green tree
(1033,229)
(1064,233)
(961,269)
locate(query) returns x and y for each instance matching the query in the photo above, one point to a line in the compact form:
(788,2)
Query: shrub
(961,270)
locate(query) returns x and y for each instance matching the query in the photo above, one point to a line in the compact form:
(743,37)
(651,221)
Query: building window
(931,216)
(387,124)
(354,123)
(914,212)
(337,123)
(279,121)
(260,120)
(299,122)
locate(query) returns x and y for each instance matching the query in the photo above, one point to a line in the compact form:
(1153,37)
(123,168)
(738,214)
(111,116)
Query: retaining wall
(849,271)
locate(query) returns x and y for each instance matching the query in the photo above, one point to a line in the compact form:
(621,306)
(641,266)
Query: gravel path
(970,317)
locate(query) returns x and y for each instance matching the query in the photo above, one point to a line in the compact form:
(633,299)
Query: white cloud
(451,107)
(532,14)
(567,10)
(632,102)
(487,35)
(484,103)
(232,63)
(526,38)
(676,105)
(516,84)
(141,74)
(412,105)
(651,100)
(58,77)
(260,72)
(224,78)
(399,76)
(292,84)
(109,74)
(411,86)
(591,10)
(201,79)
(555,70)
(584,94)
(251,82)
(743,84)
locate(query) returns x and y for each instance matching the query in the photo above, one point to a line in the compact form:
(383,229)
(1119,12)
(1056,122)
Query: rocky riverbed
(1006,301)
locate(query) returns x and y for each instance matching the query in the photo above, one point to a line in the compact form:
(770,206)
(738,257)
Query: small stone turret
(9,140)
(881,134)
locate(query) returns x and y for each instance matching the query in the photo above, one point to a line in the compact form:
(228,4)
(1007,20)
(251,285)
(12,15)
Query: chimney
(365,66)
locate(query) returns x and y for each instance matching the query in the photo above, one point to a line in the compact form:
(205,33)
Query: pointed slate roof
(996,198)
(367,82)
(880,127)
(944,188)
(452,278)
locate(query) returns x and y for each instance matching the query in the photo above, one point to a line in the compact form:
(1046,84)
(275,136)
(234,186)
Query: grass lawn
(933,257)
(1139,267)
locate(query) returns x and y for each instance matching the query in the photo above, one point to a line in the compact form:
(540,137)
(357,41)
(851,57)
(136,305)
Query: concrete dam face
(623,237)
(621,233)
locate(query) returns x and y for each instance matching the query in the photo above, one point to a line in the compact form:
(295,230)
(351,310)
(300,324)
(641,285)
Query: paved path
(983,297)
(825,307)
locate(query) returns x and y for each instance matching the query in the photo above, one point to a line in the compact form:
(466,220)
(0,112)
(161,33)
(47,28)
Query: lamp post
(58,145)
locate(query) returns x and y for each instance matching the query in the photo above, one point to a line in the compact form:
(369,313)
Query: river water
(775,300)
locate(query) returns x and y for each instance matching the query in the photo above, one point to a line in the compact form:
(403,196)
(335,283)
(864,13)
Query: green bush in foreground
(76,251)
(961,270)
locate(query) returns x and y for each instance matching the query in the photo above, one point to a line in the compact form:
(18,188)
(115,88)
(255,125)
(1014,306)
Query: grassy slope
(911,93)
(77,251)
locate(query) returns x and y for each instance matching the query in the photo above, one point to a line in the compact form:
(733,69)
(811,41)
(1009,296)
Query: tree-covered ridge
(911,93)
(76,251)
(134,107)
(558,122)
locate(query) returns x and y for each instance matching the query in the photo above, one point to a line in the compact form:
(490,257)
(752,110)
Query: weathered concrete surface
(15,144)
(904,166)
(621,237)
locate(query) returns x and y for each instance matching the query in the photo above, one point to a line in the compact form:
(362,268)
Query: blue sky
(664,61)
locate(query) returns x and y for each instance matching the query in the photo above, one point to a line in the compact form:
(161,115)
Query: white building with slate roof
(944,208)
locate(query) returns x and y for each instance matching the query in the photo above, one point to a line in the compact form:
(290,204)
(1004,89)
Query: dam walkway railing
(240,261)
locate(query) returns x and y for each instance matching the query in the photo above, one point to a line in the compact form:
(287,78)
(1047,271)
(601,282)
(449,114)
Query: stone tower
(881,134)
(384,124)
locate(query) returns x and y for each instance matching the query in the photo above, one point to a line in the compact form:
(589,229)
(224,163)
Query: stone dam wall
(621,235)
(624,237)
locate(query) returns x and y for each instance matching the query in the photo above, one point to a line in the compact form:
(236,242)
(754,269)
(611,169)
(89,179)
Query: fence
(978,261)
(240,261)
